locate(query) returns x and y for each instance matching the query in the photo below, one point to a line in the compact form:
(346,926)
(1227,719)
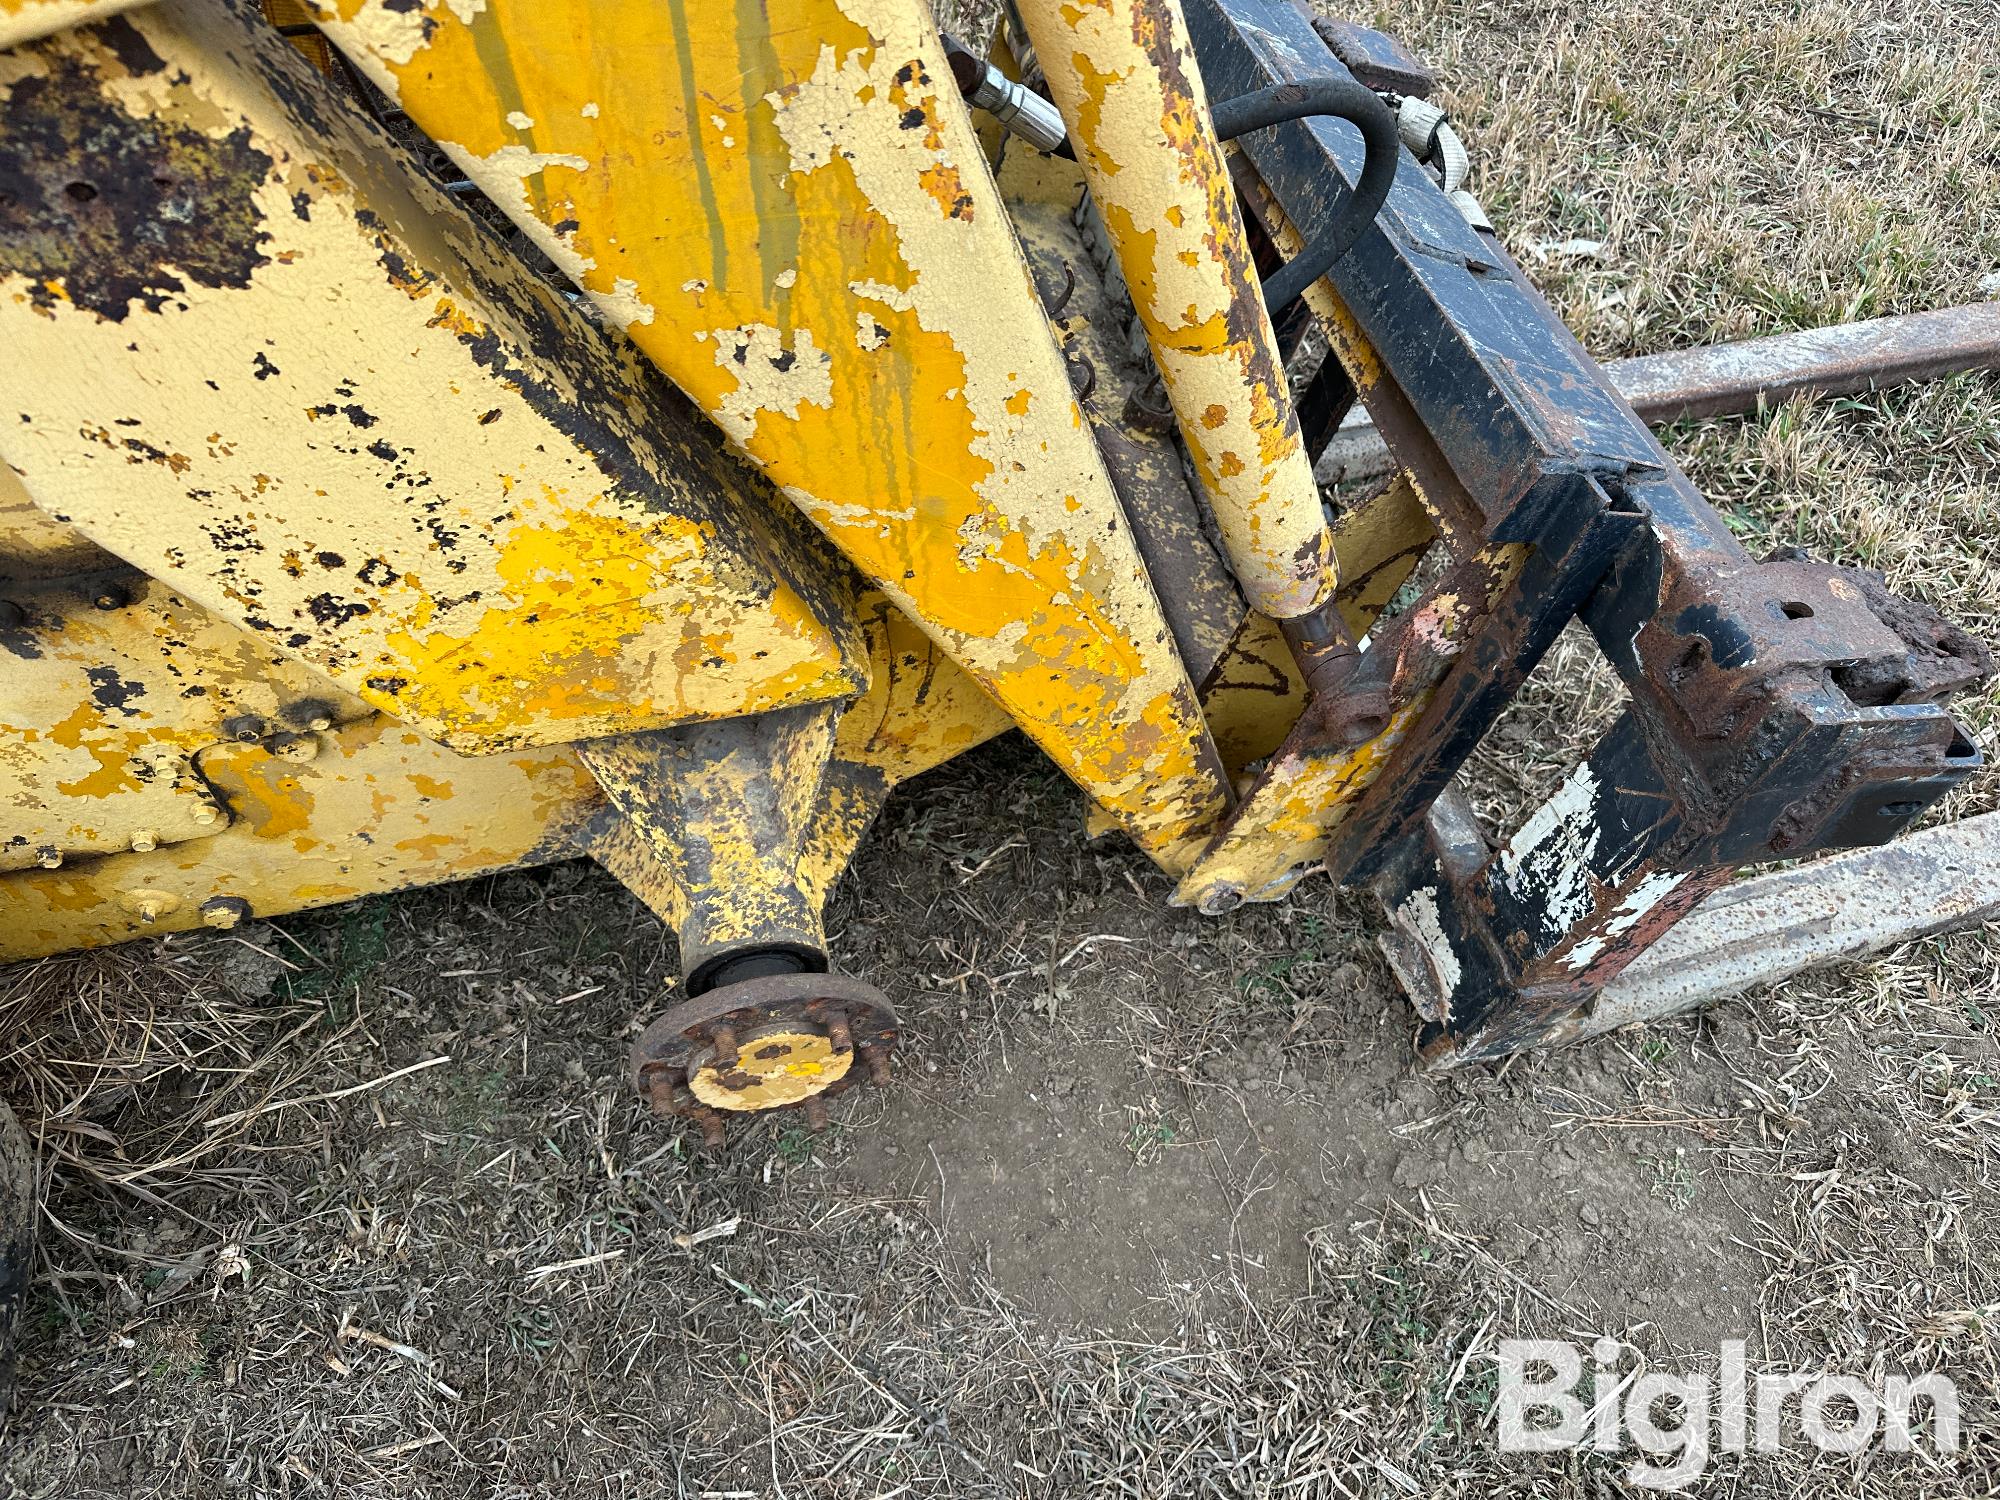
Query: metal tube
(1728,379)
(1124,76)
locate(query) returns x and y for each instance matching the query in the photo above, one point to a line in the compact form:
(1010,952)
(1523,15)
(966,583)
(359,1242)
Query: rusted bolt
(145,841)
(245,729)
(712,1134)
(878,1065)
(660,1093)
(49,857)
(816,1116)
(310,713)
(837,1032)
(1221,901)
(723,1040)
(112,596)
(225,912)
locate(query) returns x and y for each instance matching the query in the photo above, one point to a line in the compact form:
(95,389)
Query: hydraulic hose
(1342,98)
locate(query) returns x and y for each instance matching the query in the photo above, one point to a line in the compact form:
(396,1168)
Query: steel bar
(1842,907)
(1729,379)
(1776,708)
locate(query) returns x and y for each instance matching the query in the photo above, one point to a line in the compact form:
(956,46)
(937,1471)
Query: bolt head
(225,912)
(149,905)
(145,841)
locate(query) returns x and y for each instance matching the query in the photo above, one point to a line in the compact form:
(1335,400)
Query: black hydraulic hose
(1344,99)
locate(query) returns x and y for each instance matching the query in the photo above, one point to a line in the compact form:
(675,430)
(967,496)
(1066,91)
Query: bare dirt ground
(1158,1205)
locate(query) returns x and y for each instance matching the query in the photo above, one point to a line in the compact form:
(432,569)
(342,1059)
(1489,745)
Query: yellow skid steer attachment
(442,437)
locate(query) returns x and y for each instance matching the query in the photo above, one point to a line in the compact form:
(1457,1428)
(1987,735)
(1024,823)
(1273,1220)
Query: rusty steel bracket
(1775,708)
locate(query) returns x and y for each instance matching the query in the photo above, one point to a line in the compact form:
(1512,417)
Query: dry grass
(1161,1209)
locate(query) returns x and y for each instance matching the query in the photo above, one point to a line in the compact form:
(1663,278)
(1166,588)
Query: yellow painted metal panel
(33,544)
(310,817)
(111,693)
(921,708)
(788,209)
(250,350)
(379,809)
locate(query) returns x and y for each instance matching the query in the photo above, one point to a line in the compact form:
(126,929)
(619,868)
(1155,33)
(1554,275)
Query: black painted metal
(1775,708)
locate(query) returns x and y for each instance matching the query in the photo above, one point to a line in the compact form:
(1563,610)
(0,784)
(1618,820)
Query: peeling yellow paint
(24,20)
(105,711)
(353,823)
(839,290)
(385,445)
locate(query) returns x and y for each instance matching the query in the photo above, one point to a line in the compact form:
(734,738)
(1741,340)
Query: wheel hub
(782,1041)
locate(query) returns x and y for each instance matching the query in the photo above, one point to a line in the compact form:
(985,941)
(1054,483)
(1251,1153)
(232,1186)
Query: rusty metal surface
(1454,512)
(1776,708)
(1841,907)
(1300,800)
(1726,379)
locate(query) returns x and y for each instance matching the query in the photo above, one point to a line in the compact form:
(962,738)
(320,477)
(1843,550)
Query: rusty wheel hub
(783,1041)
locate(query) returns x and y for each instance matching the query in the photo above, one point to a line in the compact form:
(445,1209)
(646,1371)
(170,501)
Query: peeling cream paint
(799,375)
(1547,863)
(394,33)
(1419,914)
(24,20)
(1638,904)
